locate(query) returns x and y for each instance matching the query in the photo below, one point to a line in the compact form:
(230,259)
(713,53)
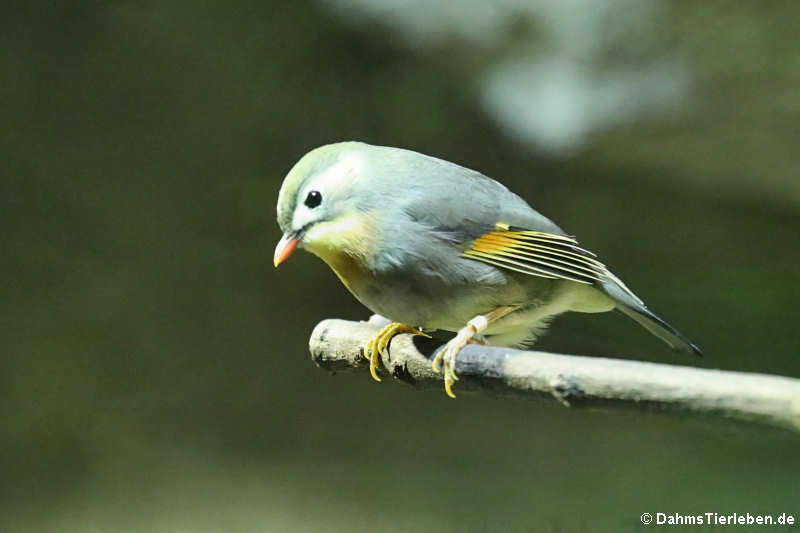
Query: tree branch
(571,379)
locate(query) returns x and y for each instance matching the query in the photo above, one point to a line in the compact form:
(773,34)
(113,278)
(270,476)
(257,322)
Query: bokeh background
(154,372)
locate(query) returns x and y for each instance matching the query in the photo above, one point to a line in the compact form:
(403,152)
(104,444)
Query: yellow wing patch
(537,253)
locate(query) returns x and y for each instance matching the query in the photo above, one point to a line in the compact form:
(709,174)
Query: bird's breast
(346,245)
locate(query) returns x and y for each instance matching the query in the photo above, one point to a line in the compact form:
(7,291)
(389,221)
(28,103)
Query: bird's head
(317,206)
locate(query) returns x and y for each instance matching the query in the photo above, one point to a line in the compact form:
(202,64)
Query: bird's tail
(631,305)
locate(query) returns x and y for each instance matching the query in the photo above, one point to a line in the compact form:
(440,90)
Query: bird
(432,245)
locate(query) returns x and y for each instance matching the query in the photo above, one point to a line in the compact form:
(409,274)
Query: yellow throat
(345,244)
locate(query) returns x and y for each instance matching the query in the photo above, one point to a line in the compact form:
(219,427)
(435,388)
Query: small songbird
(432,245)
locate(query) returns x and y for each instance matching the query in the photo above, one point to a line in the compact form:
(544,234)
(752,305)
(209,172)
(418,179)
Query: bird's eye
(313,199)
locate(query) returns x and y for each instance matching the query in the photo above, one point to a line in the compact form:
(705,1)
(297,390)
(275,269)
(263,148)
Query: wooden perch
(571,379)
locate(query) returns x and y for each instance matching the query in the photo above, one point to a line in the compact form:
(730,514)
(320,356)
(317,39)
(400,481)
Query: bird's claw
(376,347)
(446,358)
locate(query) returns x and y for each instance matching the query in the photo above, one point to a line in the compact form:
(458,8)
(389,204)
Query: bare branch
(571,379)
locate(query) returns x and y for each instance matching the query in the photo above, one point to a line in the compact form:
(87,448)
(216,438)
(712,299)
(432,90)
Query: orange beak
(285,247)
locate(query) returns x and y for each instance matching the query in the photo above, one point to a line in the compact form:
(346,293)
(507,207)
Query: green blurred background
(154,373)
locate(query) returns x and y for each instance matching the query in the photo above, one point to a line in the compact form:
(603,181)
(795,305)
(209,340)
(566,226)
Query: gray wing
(455,209)
(489,224)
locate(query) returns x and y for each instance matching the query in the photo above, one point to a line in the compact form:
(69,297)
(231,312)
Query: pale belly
(435,302)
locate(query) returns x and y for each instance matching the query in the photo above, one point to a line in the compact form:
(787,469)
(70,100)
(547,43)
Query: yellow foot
(376,347)
(466,335)
(446,358)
